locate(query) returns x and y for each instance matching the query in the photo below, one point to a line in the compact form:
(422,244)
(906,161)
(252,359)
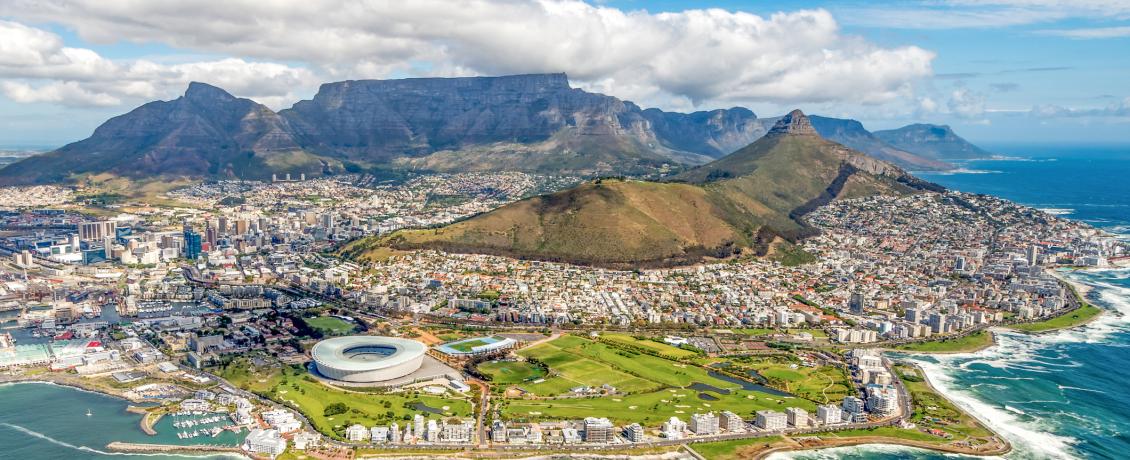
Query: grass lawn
(468,345)
(298,389)
(822,384)
(735,449)
(510,372)
(658,347)
(755,331)
(655,388)
(330,325)
(1070,319)
(971,342)
(931,410)
(648,409)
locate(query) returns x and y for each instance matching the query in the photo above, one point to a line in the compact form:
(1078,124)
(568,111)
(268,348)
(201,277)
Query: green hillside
(738,204)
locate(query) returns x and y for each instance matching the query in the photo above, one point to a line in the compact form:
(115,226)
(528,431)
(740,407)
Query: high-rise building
(634,432)
(771,420)
(1033,253)
(857,303)
(703,424)
(731,422)
(192,244)
(797,417)
(829,414)
(94,231)
(598,430)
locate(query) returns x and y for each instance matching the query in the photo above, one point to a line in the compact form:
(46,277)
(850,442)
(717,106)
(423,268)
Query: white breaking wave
(1027,437)
(836,453)
(967,171)
(1057,211)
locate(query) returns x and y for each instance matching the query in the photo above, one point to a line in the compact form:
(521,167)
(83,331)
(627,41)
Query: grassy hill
(740,203)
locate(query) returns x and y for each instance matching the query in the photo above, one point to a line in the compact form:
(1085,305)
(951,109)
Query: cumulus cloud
(698,56)
(36,67)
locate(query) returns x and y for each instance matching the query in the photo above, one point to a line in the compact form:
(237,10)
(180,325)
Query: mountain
(206,132)
(851,134)
(938,142)
(747,200)
(532,123)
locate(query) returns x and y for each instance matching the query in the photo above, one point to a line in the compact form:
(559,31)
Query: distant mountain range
(533,123)
(751,201)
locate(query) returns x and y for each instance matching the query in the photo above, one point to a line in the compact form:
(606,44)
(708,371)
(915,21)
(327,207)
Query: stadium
(476,346)
(367,359)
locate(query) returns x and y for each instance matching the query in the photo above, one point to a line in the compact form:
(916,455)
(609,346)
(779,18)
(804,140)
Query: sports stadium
(367,359)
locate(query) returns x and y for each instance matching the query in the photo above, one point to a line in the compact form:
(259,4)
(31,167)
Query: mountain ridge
(534,123)
(749,200)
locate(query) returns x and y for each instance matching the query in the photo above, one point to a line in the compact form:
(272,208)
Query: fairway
(649,389)
(510,372)
(657,347)
(821,384)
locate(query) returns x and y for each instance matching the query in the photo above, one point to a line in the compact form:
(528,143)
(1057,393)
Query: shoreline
(880,441)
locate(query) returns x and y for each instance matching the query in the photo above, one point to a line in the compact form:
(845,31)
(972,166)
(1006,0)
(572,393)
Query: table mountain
(741,202)
(932,141)
(533,123)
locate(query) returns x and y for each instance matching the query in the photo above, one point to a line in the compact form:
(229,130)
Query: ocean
(41,421)
(1065,394)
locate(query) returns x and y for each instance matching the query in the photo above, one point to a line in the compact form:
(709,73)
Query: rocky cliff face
(933,141)
(382,119)
(206,132)
(534,123)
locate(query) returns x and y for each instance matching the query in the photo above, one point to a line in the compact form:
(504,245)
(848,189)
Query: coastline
(882,440)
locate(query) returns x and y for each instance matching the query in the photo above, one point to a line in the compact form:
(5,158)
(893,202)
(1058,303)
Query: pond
(750,386)
(426,408)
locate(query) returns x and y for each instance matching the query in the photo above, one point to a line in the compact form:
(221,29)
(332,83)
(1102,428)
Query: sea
(40,421)
(1064,395)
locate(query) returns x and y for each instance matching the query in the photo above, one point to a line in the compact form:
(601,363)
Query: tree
(335,409)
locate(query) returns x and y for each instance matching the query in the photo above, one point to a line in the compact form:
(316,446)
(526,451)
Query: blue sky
(995,70)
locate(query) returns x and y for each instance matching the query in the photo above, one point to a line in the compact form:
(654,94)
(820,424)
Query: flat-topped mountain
(933,141)
(533,123)
(744,201)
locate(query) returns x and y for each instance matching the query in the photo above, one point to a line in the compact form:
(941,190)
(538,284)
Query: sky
(997,71)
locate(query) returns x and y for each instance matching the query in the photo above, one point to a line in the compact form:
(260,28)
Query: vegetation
(1070,319)
(323,404)
(741,204)
(932,411)
(648,389)
(736,449)
(967,343)
(822,384)
(510,372)
(329,325)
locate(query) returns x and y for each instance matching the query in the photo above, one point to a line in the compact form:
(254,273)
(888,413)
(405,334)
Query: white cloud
(66,93)
(703,56)
(1117,110)
(1089,33)
(36,67)
(966,104)
(960,14)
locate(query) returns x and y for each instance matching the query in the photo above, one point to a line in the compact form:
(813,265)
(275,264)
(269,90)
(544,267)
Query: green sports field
(330,325)
(510,372)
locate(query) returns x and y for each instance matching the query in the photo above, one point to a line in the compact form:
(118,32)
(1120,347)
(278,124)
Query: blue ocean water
(44,421)
(1064,394)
